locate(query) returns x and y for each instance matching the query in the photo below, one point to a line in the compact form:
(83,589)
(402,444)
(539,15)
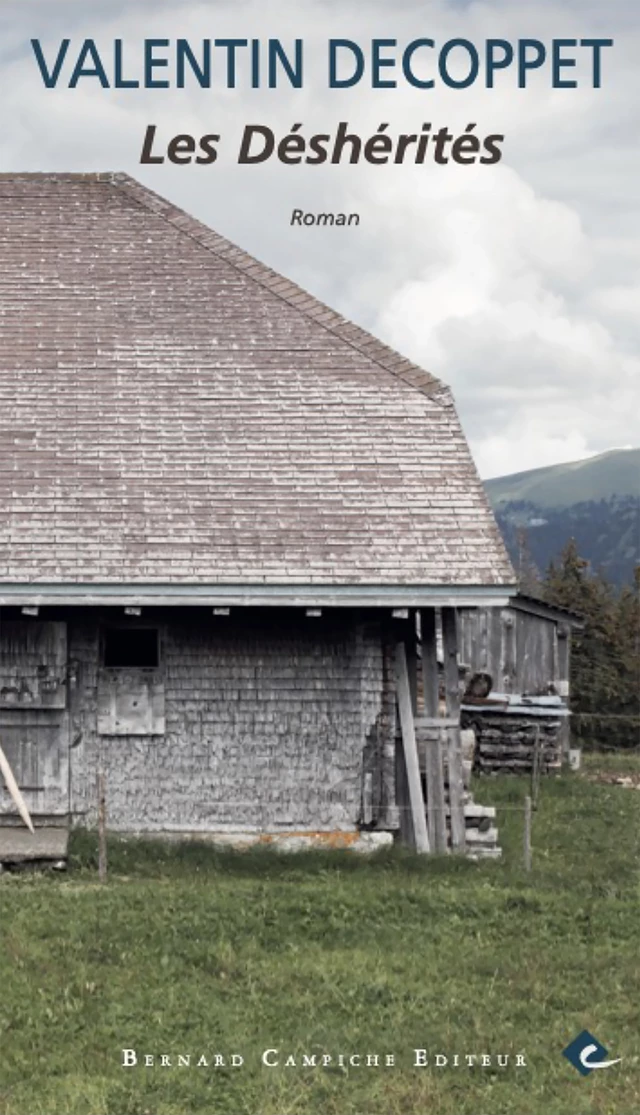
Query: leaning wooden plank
(12,787)
(410,749)
(405,831)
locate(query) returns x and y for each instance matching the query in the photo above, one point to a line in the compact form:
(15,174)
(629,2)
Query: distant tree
(628,625)
(605,665)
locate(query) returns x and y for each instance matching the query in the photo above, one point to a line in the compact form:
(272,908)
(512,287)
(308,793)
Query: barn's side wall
(271,723)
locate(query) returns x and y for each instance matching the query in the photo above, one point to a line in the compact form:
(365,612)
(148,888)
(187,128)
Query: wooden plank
(454,763)
(509,663)
(434,766)
(483,641)
(430,780)
(436,722)
(405,828)
(454,748)
(412,660)
(12,787)
(436,804)
(450,659)
(479,812)
(429,661)
(418,815)
(440,801)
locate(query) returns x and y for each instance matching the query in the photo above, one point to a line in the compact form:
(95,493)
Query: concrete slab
(18,845)
(353,840)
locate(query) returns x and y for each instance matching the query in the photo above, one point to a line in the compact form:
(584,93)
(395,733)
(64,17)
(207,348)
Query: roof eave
(536,607)
(256,595)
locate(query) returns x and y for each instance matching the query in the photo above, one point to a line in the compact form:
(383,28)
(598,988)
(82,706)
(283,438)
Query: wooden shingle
(173,411)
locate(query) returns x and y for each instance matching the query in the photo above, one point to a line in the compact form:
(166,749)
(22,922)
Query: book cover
(319,544)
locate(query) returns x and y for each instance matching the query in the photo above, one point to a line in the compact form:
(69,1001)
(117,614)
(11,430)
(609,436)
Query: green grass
(191,950)
(611,762)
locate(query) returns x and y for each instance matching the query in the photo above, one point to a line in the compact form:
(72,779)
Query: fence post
(527,833)
(102,827)
(536,763)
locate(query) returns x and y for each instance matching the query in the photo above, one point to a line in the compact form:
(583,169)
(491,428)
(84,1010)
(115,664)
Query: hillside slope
(596,501)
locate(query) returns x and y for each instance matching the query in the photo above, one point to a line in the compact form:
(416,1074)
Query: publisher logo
(586,1054)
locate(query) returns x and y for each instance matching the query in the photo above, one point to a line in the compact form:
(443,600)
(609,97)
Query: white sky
(517,284)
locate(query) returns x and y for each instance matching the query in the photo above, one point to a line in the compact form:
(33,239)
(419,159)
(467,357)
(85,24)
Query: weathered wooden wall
(518,649)
(33,664)
(34,729)
(269,723)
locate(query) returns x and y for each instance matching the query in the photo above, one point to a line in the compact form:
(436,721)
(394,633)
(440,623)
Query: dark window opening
(131,646)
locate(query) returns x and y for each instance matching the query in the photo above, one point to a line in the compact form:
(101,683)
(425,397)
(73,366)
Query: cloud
(517,284)
(494,303)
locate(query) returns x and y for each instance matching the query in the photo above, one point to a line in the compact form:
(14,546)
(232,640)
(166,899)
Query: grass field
(190,951)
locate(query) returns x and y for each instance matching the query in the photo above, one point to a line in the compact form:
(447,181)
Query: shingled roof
(173,412)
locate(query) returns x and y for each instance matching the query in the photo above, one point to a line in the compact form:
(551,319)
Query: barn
(225,510)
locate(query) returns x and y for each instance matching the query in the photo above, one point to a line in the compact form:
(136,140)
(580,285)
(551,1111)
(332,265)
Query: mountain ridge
(595,500)
(616,472)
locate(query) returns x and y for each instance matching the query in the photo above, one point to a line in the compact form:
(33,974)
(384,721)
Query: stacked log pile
(507,743)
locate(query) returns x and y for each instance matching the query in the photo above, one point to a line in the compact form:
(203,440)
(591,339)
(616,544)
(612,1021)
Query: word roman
(259,144)
(299,217)
(383,63)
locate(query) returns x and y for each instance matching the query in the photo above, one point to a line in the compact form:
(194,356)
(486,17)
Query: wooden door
(34,722)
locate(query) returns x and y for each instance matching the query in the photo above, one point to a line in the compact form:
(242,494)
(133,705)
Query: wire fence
(482,832)
(610,731)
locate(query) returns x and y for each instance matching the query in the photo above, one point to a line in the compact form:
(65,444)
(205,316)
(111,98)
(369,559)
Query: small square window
(135,647)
